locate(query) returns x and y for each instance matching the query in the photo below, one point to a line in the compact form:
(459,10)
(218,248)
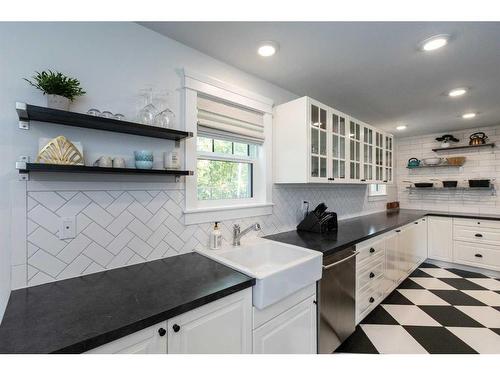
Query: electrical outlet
(67,228)
(304,208)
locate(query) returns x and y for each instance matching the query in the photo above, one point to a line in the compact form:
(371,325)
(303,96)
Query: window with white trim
(228,142)
(224,168)
(377,190)
(230,152)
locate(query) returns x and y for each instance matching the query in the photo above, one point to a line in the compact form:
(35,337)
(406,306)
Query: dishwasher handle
(341,261)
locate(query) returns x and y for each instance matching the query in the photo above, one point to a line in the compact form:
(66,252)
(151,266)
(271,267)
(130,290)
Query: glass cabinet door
(367,154)
(338,135)
(379,152)
(388,177)
(318,131)
(354,150)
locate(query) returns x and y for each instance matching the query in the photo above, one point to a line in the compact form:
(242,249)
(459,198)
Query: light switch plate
(67,228)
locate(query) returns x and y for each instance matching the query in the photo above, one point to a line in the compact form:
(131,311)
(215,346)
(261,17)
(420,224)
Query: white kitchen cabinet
(379,156)
(151,340)
(339,136)
(292,332)
(222,327)
(440,238)
(388,158)
(314,143)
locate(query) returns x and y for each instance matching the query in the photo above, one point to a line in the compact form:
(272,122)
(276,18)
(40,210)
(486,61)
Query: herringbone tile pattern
(118,228)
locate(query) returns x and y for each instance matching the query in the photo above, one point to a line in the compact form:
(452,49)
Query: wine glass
(165,118)
(148,112)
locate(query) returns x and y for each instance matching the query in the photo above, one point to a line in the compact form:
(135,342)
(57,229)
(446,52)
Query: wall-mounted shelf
(28,112)
(435,166)
(463,147)
(450,194)
(42,167)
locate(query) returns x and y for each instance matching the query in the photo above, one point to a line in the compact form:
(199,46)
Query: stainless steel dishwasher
(337,288)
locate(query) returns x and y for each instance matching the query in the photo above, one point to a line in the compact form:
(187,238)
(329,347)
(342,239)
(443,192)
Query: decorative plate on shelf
(60,151)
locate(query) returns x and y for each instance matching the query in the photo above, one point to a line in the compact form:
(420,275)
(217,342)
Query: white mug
(104,161)
(118,163)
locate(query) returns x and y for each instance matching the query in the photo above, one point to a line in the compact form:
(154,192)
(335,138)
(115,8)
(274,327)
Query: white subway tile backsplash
(480,163)
(98,234)
(117,228)
(47,262)
(46,240)
(45,218)
(49,199)
(98,254)
(96,213)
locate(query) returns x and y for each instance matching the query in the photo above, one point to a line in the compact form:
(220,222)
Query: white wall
(113,62)
(480,163)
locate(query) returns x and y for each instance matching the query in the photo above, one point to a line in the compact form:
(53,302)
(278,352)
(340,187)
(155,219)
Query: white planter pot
(58,102)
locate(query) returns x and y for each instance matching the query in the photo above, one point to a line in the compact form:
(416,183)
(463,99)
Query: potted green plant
(60,89)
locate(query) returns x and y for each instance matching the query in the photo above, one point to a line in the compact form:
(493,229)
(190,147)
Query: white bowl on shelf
(432,161)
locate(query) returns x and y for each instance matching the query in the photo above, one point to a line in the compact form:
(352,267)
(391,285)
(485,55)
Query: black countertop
(76,315)
(358,229)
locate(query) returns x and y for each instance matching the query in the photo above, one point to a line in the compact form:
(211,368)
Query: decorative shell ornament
(60,151)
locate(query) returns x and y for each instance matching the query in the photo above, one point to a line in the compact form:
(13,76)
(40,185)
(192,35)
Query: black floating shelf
(28,112)
(463,147)
(41,167)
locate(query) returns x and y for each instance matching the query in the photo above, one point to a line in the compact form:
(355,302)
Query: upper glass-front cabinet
(314,143)
(388,158)
(318,129)
(368,142)
(354,150)
(339,140)
(379,156)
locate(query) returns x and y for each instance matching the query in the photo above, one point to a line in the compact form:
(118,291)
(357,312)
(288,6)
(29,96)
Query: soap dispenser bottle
(216,237)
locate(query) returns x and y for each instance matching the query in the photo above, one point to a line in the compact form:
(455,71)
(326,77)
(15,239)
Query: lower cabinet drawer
(478,255)
(477,223)
(477,235)
(369,298)
(370,273)
(369,250)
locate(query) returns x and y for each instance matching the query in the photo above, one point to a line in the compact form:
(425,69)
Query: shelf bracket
(21,167)
(22,113)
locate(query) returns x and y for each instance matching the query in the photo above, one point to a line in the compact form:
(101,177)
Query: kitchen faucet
(238,233)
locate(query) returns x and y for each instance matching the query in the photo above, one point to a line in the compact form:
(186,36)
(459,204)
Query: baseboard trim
(444,264)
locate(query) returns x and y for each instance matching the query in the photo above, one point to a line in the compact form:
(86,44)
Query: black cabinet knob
(363,180)
(398,230)
(372,299)
(176,328)
(416,222)
(478,255)
(162,331)
(331,179)
(372,275)
(478,235)
(479,222)
(384,181)
(372,250)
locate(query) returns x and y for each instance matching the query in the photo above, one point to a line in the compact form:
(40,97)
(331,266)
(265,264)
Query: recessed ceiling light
(457,92)
(267,48)
(468,115)
(435,42)
(401,127)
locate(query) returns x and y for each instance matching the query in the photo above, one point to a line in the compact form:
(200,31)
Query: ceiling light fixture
(434,42)
(468,115)
(401,127)
(457,92)
(267,48)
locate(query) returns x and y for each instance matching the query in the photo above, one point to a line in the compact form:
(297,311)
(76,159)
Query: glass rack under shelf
(451,194)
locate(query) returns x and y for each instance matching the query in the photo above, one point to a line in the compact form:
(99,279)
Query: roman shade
(225,120)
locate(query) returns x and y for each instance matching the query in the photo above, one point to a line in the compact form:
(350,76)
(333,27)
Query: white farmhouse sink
(279,269)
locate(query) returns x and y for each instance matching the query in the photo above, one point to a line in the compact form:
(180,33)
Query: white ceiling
(371,70)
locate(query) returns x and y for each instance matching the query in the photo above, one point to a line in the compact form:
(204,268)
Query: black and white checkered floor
(435,310)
